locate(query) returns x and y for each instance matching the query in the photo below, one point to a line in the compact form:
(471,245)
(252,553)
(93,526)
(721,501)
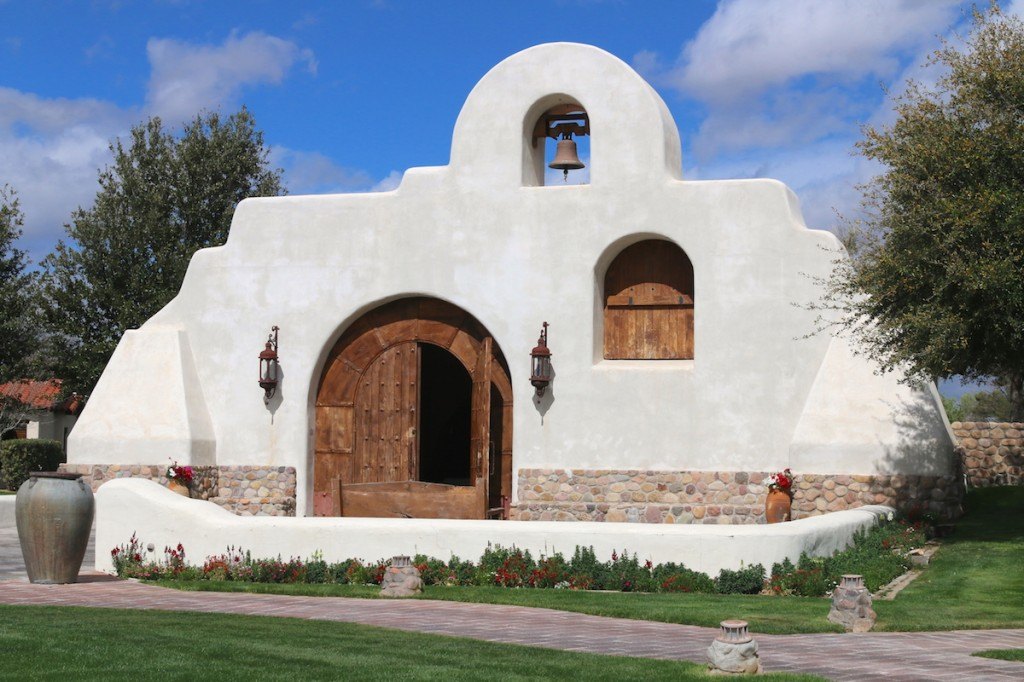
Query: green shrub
(350,571)
(749,580)
(625,574)
(19,458)
(316,571)
(672,577)
(550,571)
(585,571)
(879,554)
(505,567)
(278,571)
(432,571)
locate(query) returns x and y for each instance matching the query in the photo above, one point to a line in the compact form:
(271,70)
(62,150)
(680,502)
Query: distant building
(54,415)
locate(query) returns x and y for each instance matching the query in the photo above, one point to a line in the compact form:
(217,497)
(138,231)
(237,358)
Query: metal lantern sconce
(540,372)
(269,366)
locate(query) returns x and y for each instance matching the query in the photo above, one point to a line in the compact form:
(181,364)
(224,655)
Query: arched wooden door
(370,459)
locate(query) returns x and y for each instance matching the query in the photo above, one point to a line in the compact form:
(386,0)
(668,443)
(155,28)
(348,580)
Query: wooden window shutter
(648,305)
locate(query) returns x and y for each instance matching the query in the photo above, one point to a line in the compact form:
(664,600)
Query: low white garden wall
(163,518)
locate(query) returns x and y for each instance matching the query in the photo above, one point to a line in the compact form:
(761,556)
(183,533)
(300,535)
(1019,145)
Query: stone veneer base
(992,452)
(243,490)
(717,496)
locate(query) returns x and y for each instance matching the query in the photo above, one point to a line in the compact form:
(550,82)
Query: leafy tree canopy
(936,287)
(164,197)
(979,407)
(17,323)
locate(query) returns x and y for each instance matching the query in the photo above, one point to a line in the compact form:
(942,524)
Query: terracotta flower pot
(179,487)
(777,506)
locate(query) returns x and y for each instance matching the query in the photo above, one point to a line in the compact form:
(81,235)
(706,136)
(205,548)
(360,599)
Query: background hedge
(18,458)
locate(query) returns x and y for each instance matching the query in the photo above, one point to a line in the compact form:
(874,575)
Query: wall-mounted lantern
(269,366)
(540,374)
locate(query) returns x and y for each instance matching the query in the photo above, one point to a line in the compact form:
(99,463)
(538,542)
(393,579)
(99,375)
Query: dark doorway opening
(446,397)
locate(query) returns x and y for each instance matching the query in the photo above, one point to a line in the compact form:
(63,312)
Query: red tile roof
(42,395)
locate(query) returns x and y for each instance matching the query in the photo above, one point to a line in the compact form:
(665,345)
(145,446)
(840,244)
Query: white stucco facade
(482,234)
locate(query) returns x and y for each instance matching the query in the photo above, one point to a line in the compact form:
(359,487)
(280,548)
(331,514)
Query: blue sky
(350,94)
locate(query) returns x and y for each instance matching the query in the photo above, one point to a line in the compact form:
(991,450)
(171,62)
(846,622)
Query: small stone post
(401,579)
(851,605)
(734,651)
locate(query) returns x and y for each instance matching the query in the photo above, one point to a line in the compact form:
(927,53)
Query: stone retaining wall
(243,490)
(723,497)
(992,452)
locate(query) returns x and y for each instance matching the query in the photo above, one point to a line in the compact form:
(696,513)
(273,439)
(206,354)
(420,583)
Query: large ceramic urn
(54,513)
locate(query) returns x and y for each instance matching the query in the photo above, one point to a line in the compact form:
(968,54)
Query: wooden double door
(414,417)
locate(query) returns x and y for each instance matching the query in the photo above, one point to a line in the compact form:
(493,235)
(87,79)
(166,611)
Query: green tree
(164,197)
(936,287)
(991,405)
(17,323)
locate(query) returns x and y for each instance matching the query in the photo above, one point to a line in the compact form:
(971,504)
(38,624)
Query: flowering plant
(179,473)
(782,480)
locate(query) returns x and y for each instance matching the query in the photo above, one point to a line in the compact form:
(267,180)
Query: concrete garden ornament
(401,579)
(851,605)
(734,651)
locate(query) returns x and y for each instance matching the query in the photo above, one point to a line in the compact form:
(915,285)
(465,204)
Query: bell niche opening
(558,150)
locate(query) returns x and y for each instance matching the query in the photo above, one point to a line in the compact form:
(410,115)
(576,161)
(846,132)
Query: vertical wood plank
(480,419)
(386,415)
(648,314)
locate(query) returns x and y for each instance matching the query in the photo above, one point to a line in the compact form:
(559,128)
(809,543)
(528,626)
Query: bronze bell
(566,158)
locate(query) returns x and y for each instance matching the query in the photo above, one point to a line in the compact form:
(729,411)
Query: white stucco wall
(756,396)
(158,516)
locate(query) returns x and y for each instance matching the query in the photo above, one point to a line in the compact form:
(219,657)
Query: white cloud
(786,84)
(388,183)
(749,46)
(776,120)
(52,148)
(49,116)
(187,77)
(50,151)
(314,173)
(775,73)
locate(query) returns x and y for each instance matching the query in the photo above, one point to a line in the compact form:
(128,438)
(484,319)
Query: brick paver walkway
(872,656)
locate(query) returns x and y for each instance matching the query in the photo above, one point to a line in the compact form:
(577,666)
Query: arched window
(648,303)
(567,124)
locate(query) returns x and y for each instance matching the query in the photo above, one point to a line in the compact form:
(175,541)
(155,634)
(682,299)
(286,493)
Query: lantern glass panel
(268,372)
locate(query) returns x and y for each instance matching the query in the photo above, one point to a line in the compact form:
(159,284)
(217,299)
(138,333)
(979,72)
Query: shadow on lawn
(993,515)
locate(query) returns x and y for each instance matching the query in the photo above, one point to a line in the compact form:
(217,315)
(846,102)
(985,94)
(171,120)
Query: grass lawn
(1002,654)
(122,644)
(775,615)
(974,581)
